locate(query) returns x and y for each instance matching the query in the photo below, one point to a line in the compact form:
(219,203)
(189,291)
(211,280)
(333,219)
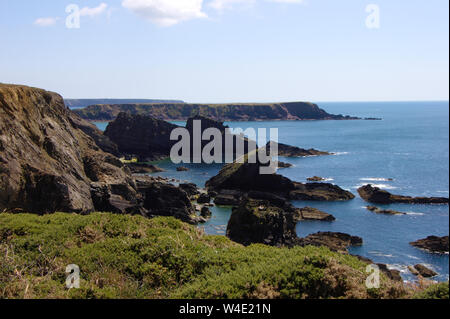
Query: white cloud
(228,4)
(92,12)
(46,22)
(166,12)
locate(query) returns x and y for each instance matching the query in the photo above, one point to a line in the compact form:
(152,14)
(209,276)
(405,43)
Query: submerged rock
(384,211)
(182,169)
(284,165)
(379,196)
(433,244)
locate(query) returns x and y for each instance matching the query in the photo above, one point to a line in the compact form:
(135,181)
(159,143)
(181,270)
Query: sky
(212,51)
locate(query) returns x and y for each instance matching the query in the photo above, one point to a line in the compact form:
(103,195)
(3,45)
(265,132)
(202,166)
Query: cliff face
(47,163)
(218,112)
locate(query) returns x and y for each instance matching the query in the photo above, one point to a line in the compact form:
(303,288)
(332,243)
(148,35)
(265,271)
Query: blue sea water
(410,145)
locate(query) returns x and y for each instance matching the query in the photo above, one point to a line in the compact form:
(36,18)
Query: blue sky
(229,50)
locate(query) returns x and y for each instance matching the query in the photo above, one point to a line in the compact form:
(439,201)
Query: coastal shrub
(123,256)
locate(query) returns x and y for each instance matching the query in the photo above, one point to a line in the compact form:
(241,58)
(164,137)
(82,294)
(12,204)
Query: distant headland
(291,111)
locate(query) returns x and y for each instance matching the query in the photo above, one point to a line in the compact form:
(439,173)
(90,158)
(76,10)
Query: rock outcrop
(293,151)
(433,244)
(143,136)
(162,199)
(315,179)
(379,196)
(334,241)
(218,112)
(48,163)
(384,211)
(261,221)
(309,213)
(421,270)
(246,177)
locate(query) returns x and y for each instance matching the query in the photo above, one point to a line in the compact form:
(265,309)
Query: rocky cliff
(218,112)
(47,163)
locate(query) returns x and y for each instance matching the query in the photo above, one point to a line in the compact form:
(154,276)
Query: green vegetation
(439,291)
(133,257)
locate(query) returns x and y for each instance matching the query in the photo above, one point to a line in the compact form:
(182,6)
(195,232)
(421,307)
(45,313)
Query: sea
(407,153)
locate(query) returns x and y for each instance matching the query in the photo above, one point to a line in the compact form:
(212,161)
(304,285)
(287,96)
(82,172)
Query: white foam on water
(415,214)
(380,254)
(340,153)
(375,179)
(382,186)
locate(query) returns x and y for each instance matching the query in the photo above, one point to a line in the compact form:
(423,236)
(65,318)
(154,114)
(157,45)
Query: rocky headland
(378,196)
(218,112)
(294,151)
(51,162)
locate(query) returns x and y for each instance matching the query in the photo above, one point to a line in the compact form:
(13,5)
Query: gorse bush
(133,257)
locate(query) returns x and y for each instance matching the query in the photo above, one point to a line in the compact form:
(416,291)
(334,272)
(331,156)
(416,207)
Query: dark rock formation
(334,241)
(47,162)
(182,169)
(190,189)
(204,199)
(384,211)
(222,112)
(320,192)
(228,197)
(143,168)
(309,213)
(284,165)
(144,136)
(315,179)
(378,196)
(246,177)
(392,274)
(205,212)
(422,271)
(293,151)
(162,199)
(433,244)
(260,221)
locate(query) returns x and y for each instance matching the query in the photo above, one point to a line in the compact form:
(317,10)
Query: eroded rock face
(47,162)
(433,244)
(379,196)
(260,221)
